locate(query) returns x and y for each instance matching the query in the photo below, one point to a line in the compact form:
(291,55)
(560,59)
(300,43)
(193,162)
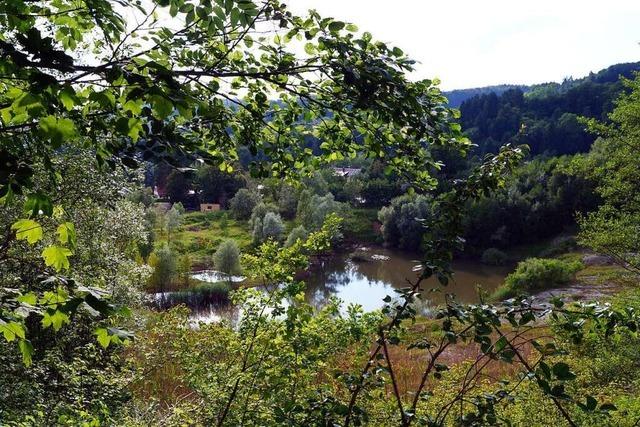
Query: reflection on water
(213,276)
(367,282)
(367,278)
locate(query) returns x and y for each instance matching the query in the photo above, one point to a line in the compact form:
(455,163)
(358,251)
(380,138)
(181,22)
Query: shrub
(287,201)
(272,226)
(560,246)
(313,209)
(298,233)
(184,269)
(163,261)
(259,211)
(227,258)
(242,203)
(257,231)
(322,207)
(352,191)
(536,274)
(198,297)
(178,206)
(173,219)
(400,226)
(493,256)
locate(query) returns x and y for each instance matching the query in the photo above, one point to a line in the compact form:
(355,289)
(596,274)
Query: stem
(393,378)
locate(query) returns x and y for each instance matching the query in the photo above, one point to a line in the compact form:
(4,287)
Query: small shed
(209,207)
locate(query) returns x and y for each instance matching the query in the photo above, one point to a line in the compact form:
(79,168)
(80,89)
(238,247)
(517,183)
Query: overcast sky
(470,43)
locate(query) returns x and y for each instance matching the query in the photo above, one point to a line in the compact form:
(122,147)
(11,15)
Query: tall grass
(201,296)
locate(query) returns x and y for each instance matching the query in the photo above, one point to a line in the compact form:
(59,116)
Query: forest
(226,213)
(546,117)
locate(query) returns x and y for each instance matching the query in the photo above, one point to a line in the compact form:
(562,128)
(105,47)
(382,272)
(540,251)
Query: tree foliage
(227,257)
(243,203)
(546,116)
(614,229)
(402,221)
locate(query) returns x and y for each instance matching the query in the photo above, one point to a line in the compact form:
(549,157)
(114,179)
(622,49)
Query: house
(209,207)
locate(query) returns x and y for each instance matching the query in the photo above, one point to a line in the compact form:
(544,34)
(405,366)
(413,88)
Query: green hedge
(537,274)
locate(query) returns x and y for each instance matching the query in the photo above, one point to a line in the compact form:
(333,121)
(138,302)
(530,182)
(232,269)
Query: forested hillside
(457,96)
(544,116)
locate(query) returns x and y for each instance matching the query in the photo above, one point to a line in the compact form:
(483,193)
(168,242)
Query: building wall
(209,207)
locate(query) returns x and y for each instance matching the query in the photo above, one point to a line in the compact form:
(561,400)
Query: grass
(201,233)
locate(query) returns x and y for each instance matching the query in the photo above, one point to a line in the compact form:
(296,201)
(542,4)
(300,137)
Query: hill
(544,116)
(457,96)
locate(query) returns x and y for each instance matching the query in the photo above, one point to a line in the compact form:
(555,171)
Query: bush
(227,257)
(537,274)
(163,261)
(560,246)
(173,219)
(179,208)
(400,226)
(242,203)
(272,226)
(493,256)
(269,226)
(298,233)
(259,211)
(313,209)
(287,201)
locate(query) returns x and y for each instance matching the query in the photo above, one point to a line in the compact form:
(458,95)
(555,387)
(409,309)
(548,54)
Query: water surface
(366,278)
(368,282)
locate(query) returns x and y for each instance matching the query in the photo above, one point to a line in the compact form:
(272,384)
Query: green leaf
(103,337)
(310,48)
(68,98)
(57,257)
(563,372)
(500,344)
(27,351)
(336,26)
(161,106)
(27,229)
(133,105)
(608,407)
(38,204)
(67,233)
(58,130)
(55,318)
(592,403)
(29,298)
(11,330)
(132,127)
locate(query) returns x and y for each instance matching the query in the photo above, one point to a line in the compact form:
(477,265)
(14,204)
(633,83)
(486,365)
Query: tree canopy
(169,80)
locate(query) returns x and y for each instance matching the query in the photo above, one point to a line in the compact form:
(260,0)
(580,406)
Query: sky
(472,43)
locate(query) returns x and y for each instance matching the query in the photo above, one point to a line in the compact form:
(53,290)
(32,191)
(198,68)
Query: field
(200,233)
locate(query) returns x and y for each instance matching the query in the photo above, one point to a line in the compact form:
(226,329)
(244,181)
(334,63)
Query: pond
(367,275)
